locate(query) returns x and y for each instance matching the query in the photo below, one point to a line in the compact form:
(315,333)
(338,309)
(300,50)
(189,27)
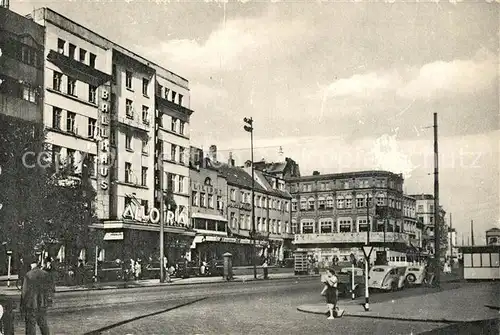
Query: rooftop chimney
(212,153)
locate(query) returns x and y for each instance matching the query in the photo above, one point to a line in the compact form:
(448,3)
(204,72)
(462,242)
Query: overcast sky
(339,86)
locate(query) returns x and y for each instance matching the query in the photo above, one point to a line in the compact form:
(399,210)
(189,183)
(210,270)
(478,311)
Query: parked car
(344,276)
(385,277)
(415,275)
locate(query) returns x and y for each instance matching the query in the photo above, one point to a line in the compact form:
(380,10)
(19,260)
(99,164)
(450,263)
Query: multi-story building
(425,215)
(411,225)
(172,104)
(108,104)
(21,106)
(208,213)
(272,214)
(21,68)
(331,217)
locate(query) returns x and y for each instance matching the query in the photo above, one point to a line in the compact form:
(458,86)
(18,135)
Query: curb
(347,314)
(177,284)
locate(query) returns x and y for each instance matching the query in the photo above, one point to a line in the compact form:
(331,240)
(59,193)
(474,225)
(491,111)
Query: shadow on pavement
(483,327)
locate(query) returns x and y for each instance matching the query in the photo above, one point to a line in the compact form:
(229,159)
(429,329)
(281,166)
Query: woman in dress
(330,291)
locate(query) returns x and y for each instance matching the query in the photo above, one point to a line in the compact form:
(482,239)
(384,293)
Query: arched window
(321,202)
(340,202)
(310,204)
(329,201)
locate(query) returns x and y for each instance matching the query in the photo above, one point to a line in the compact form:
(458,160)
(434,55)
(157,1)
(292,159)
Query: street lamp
(249,128)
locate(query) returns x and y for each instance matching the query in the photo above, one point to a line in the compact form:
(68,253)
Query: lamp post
(249,128)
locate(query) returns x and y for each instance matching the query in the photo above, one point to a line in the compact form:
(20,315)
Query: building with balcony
(126,114)
(333,214)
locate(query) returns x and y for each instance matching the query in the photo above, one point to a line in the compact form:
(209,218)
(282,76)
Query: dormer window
(208,181)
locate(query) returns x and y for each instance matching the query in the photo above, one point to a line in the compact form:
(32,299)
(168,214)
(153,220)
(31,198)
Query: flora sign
(139,213)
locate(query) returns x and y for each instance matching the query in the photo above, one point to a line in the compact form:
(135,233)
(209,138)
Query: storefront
(208,247)
(124,240)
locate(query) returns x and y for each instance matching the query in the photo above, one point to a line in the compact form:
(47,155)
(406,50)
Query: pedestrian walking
(36,298)
(264,268)
(330,282)
(80,272)
(137,269)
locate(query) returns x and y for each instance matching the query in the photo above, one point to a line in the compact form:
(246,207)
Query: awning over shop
(208,217)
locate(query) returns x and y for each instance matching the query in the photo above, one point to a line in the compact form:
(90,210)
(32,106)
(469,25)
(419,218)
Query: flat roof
(118,46)
(368,173)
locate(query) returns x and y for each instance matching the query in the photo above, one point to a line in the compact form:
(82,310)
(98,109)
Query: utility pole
(437,219)
(367,254)
(249,128)
(162,221)
(472,231)
(451,241)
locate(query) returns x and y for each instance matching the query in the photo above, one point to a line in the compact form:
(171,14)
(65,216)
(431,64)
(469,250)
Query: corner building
(331,218)
(118,109)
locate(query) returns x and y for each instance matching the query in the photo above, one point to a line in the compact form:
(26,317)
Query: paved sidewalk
(464,304)
(155,282)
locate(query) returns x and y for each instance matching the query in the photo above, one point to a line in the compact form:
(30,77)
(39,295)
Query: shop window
(326,227)
(485,260)
(467,260)
(211,225)
(495,260)
(307,227)
(476,260)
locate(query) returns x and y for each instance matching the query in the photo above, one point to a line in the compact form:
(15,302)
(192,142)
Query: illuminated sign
(138,213)
(104,149)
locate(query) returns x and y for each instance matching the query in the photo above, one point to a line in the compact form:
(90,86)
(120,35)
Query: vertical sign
(104,156)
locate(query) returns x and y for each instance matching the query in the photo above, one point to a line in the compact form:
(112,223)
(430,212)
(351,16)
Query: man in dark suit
(36,297)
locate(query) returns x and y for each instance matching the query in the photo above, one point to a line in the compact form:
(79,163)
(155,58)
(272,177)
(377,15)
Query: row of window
(343,225)
(207,200)
(273,226)
(131,178)
(65,156)
(13,87)
(70,122)
(176,125)
(209,225)
(71,52)
(169,94)
(482,260)
(260,201)
(71,86)
(130,111)
(21,52)
(346,184)
(310,204)
(176,154)
(430,208)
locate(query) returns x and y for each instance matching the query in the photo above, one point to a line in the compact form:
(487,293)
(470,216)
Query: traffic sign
(367,250)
